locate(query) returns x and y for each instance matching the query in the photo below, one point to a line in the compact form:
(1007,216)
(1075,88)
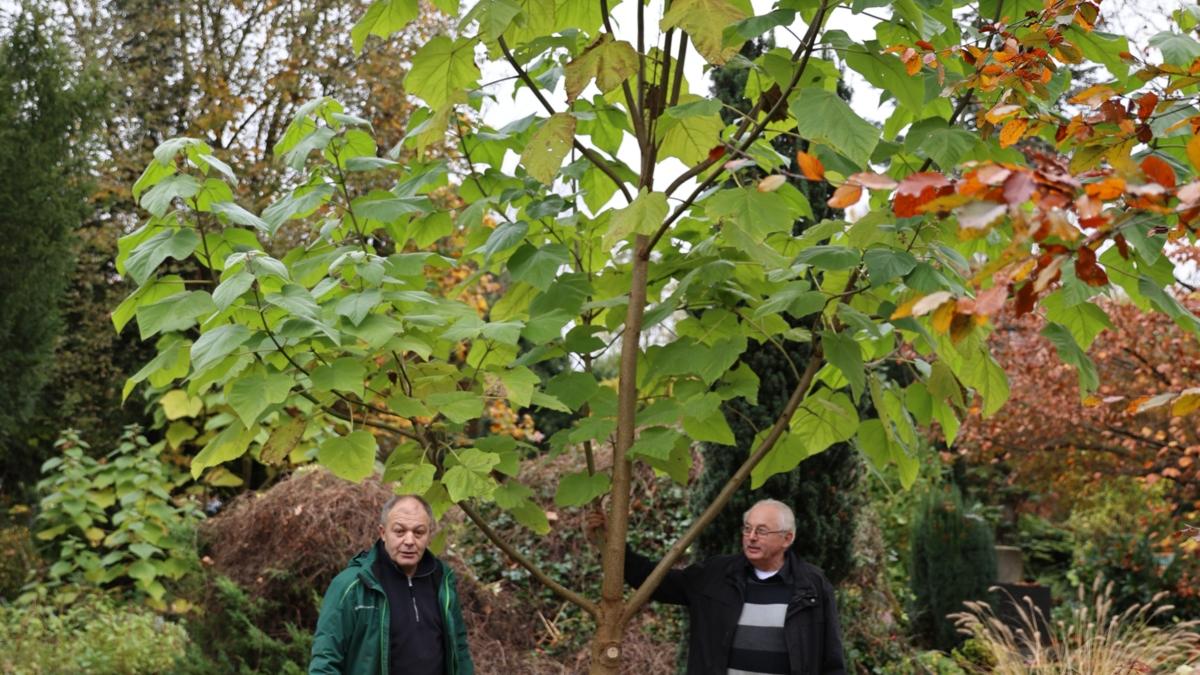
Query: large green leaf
(537,266)
(1069,351)
(177,312)
(690,130)
(383,18)
(760,214)
(643,216)
(824,418)
(843,352)
(1177,49)
(255,391)
(216,344)
(823,117)
(549,145)
(1083,320)
(230,444)
(609,62)
(442,71)
(344,374)
(158,199)
(350,457)
(577,489)
(705,22)
(167,243)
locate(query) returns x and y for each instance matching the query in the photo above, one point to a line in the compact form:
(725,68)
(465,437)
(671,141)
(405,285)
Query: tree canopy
(997,180)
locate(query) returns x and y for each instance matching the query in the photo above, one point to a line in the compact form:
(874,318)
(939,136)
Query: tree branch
(591,155)
(804,53)
(537,573)
(642,595)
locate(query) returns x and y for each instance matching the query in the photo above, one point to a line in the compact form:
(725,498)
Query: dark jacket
(352,631)
(713,590)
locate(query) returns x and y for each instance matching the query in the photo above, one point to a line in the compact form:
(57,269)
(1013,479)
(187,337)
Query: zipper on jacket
(412,594)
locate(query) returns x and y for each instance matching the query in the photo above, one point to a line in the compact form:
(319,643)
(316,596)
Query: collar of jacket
(427,565)
(364,562)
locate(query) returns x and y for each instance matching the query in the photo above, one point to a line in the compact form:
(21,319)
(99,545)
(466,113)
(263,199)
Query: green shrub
(226,636)
(1123,533)
(92,634)
(114,520)
(953,560)
(16,559)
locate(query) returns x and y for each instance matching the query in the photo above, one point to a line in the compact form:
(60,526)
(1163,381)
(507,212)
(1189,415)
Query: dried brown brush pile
(287,543)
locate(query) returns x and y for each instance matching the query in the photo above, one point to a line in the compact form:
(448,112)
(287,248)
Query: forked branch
(537,572)
(642,595)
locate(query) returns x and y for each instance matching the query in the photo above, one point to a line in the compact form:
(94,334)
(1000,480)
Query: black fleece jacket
(713,590)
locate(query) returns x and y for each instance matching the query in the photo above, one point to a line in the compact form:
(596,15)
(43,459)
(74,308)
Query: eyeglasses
(760,531)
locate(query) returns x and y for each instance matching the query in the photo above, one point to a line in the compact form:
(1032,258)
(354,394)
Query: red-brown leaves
(918,189)
(1086,268)
(810,166)
(1158,171)
(1146,104)
(1018,188)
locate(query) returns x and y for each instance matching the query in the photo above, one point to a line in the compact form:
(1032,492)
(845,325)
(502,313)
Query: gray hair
(787,518)
(396,499)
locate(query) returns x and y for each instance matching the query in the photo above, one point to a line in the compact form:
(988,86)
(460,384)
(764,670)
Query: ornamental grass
(1095,639)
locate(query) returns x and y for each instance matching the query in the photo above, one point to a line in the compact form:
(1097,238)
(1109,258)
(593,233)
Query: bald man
(394,610)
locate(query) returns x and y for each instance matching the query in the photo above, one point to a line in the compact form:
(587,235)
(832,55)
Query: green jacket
(352,631)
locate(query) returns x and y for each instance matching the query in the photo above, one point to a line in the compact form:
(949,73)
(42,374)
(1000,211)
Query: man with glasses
(762,611)
(394,610)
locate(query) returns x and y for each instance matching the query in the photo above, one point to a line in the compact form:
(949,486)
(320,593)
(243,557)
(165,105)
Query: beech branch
(587,152)
(537,572)
(642,595)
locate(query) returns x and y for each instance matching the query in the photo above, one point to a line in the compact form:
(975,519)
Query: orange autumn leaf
(1013,131)
(810,166)
(1158,171)
(845,196)
(917,189)
(1109,188)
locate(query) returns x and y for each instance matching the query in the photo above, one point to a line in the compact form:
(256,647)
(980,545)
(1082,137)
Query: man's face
(762,542)
(406,534)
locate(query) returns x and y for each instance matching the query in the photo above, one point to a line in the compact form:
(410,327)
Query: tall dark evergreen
(953,560)
(48,110)
(823,489)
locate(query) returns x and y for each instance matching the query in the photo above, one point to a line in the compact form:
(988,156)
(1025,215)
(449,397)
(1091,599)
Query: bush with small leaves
(91,634)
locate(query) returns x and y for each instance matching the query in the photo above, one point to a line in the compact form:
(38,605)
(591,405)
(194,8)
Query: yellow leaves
(1188,402)
(1013,131)
(1193,152)
(999,113)
(1094,95)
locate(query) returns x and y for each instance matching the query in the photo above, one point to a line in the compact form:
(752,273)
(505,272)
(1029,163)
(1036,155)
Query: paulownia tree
(678,260)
